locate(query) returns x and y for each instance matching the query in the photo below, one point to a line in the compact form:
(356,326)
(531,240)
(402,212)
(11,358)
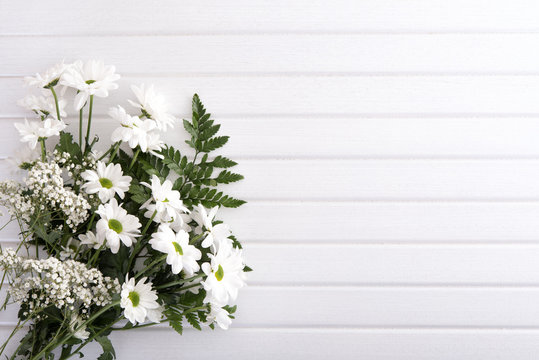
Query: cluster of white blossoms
(47,185)
(68,285)
(17,204)
(143,130)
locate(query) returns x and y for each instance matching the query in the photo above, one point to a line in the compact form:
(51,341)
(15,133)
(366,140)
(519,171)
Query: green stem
(113,150)
(90,339)
(139,326)
(179,282)
(89,124)
(80,127)
(134,158)
(155,262)
(56,102)
(43,149)
(149,223)
(138,246)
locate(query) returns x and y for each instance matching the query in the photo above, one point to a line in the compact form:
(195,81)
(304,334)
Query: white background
(391,157)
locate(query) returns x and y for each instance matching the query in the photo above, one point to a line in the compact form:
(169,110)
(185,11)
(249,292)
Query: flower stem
(43,149)
(134,158)
(179,282)
(157,261)
(56,102)
(80,128)
(89,124)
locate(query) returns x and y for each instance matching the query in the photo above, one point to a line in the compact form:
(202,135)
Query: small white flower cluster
(17,204)
(67,284)
(47,186)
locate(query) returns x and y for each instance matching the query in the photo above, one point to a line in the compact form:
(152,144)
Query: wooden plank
(357,137)
(240,54)
(386,180)
(394,307)
(325,95)
(389,265)
(373,222)
(208,16)
(267,344)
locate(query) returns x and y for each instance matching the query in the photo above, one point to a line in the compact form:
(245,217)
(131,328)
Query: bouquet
(119,239)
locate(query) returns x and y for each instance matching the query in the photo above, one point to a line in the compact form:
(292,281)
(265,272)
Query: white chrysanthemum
(132,130)
(107,181)
(213,234)
(48,78)
(91,240)
(116,225)
(32,131)
(165,201)
(139,301)
(219,316)
(181,222)
(225,275)
(76,329)
(43,105)
(155,144)
(180,255)
(153,106)
(90,78)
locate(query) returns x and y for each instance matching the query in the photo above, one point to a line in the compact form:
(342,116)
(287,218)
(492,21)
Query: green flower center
(220,273)
(166,200)
(115,225)
(178,248)
(134,297)
(106,183)
(90,82)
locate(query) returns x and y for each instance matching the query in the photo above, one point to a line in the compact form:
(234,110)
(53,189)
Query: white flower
(107,181)
(181,222)
(91,240)
(139,301)
(155,144)
(76,329)
(164,201)
(220,316)
(32,131)
(214,234)
(90,78)
(115,225)
(180,255)
(69,251)
(132,130)
(51,76)
(153,106)
(43,105)
(225,275)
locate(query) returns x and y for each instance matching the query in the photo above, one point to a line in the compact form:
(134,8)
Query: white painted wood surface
(391,157)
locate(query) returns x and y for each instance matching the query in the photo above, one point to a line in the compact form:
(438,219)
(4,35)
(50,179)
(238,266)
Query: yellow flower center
(219,273)
(134,297)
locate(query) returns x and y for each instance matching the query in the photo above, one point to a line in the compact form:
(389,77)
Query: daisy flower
(49,78)
(90,78)
(155,144)
(153,106)
(132,130)
(116,225)
(165,202)
(43,105)
(139,301)
(219,316)
(91,240)
(32,131)
(225,275)
(180,255)
(214,234)
(107,181)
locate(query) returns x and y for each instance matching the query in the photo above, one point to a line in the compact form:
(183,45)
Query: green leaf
(214,143)
(227,177)
(108,349)
(193,320)
(222,162)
